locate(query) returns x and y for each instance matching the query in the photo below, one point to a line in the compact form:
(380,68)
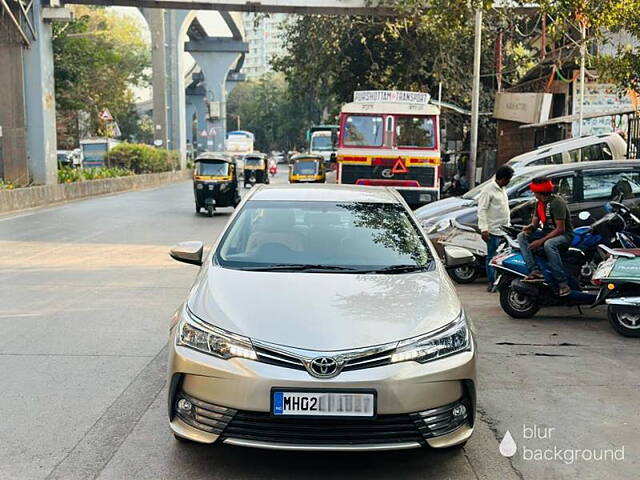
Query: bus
(391,138)
(239,142)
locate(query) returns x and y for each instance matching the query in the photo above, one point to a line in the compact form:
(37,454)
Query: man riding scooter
(550,229)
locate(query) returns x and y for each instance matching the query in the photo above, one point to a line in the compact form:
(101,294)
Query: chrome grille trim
(300,359)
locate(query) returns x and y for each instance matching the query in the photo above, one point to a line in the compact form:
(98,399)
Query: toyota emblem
(324,367)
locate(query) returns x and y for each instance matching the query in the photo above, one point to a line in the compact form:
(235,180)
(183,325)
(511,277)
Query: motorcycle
(521,299)
(618,278)
(466,237)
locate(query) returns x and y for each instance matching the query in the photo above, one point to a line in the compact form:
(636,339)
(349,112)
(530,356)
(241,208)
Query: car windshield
(253,162)
(305,168)
(350,237)
(475,192)
(322,143)
(212,169)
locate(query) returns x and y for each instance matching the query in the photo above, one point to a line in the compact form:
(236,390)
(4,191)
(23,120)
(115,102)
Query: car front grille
(356,359)
(262,427)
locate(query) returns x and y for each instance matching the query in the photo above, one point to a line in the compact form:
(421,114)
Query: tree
(97,59)
(330,57)
(265,108)
(603,20)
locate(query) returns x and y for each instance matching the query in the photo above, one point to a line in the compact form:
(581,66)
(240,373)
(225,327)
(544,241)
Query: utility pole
(475,101)
(583,54)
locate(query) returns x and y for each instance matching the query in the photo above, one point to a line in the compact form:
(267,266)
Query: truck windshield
(352,237)
(212,169)
(415,132)
(363,131)
(321,143)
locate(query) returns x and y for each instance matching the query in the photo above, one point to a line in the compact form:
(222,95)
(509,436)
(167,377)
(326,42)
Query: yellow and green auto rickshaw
(255,169)
(307,168)
(215,182)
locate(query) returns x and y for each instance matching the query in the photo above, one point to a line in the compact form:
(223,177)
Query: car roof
(324,193)
(203,157)
(561,145)
(306,156)
(599,164)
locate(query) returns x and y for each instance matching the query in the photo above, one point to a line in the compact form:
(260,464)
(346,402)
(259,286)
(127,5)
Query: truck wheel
(464,273)
(515,304)
(625,321)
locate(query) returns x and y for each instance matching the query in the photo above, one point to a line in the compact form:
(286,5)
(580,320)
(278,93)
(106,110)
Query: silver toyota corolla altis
(321,320)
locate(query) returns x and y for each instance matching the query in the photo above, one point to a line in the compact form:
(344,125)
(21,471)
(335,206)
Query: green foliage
(266,108)
(7,185)
(329,57)
(140,158)
(71,175)
(97,59)
(604,18)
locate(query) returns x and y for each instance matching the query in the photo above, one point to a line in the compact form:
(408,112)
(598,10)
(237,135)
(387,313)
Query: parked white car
(582,149)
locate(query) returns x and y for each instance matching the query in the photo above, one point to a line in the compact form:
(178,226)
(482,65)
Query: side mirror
(584,216)
(188,252)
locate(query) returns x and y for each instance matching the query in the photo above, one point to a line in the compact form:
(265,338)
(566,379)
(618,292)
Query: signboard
(214,110)
(599,97)
(391,96)
(523,107)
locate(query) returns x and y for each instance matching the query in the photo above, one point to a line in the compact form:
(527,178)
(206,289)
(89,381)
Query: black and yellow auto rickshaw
(255,169)
(215,182)
(306,168)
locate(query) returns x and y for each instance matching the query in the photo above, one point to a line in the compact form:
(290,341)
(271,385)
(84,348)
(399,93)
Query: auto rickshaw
(307,168)
(255,169)
(215,182)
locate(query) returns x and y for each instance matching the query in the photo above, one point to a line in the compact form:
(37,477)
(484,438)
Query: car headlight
(194,333)
(449,340)
(199,186)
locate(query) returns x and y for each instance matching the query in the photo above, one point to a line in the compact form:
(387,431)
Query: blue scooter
(521,299)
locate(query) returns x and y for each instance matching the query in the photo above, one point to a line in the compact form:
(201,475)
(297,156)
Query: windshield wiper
(401,269)
(299,268)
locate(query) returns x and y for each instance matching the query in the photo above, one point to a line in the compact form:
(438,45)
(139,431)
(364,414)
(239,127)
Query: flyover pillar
(216,56)
(40,103)
(176,24)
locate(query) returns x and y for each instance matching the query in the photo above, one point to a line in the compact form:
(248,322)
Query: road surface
(86,291)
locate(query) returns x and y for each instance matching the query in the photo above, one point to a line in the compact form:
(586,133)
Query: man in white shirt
(493,213)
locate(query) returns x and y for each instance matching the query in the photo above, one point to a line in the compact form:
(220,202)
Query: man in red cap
(551,229)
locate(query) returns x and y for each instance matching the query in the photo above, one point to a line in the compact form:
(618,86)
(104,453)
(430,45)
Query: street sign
(106,116)
(204,133)
(212,132)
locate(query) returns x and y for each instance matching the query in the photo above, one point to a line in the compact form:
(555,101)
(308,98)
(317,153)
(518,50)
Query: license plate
(323,404)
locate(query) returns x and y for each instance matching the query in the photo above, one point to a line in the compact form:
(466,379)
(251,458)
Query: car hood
(433,211)
(324,311)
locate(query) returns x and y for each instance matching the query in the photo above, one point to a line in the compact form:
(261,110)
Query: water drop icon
(508,446)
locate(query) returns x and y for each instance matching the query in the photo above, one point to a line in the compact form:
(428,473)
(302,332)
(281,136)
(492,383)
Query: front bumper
(415,404)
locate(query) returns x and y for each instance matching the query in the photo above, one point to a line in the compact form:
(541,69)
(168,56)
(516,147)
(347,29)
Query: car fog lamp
(185,405)
(611,286)
(459,411)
